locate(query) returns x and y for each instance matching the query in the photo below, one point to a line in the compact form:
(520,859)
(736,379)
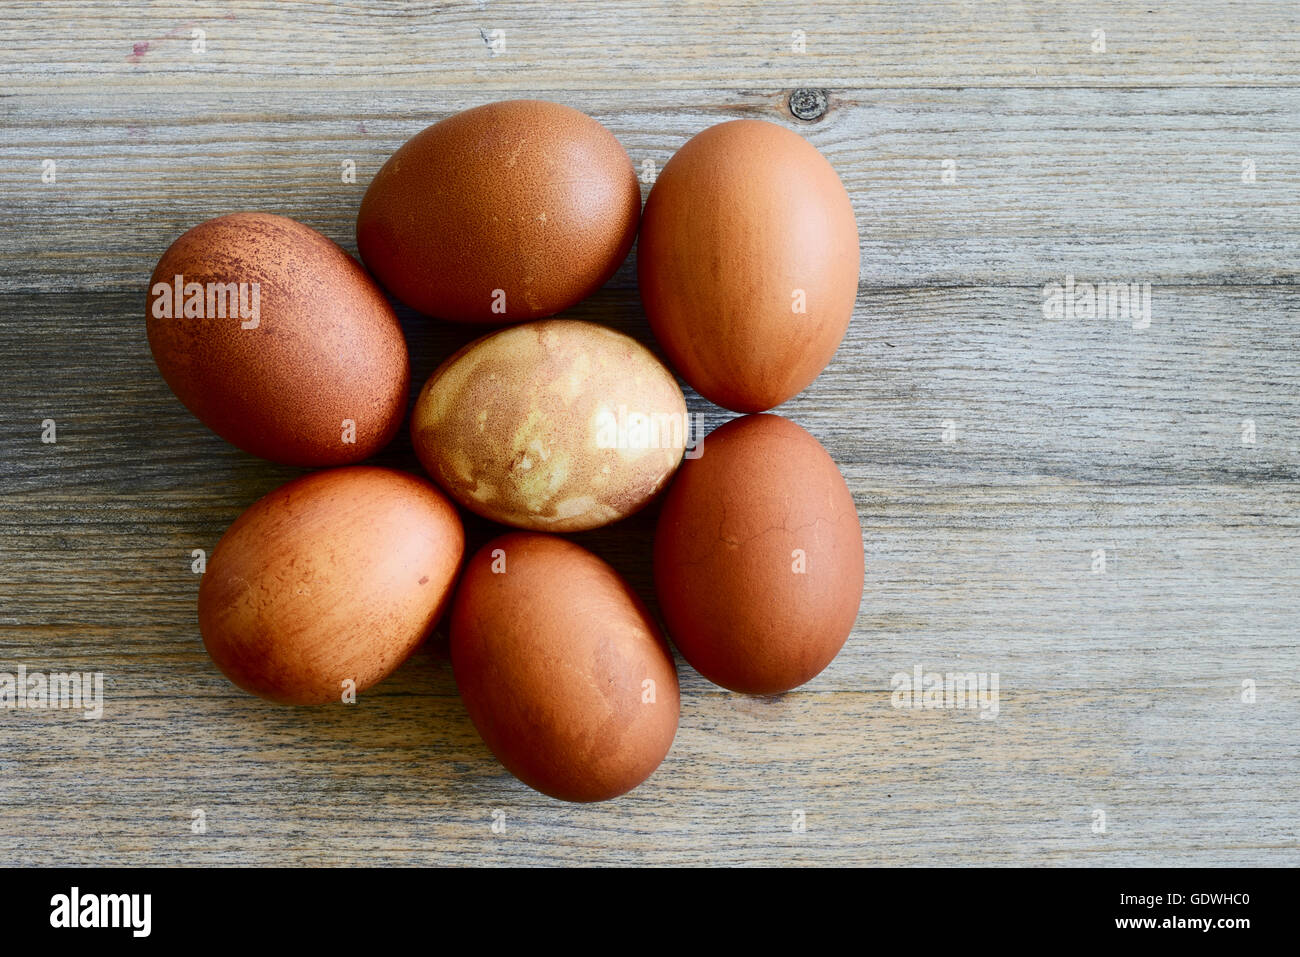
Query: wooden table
(990,149)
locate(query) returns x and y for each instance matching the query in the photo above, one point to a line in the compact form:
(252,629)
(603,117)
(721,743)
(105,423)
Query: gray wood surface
(1121,691)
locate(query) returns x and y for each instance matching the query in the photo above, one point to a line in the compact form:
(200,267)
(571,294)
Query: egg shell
(554,425)
(322,349)
(505,212)
(746,226)
(337,575)
(561,668)
(758,557)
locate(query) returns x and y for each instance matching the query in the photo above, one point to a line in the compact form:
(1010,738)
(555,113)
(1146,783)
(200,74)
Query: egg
(758,558)
(561,668)
(327,584)
(748,263)
(506,212)
(278,341)
(553,425)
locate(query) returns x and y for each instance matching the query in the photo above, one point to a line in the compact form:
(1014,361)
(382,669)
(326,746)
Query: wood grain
(1137,185)
(1121,691)
(636,46)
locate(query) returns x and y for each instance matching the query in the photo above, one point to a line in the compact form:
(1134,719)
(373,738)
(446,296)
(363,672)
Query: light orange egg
(328,583)
(748,263)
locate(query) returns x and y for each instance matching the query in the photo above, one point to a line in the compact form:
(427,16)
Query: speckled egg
(278,341)
(554,425)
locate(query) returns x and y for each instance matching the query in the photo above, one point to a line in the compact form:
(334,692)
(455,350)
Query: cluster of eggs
(508,214)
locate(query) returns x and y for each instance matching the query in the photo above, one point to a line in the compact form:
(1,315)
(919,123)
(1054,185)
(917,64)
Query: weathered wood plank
(1081,400)
(264,46)
(1201,580)
(403,779)
(1143,186)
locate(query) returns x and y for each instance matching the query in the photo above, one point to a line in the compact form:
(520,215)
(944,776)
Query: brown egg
(561,668)
(758,557)
(552,425)
(748,263)
(278,341)
(335,577)
(509,211)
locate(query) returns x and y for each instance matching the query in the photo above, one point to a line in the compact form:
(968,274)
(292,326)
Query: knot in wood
(808,104)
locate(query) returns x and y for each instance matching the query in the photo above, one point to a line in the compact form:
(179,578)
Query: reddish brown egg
(561,668)
(748,263)
(328,583)
(278,341)
(509,211)
(758,557)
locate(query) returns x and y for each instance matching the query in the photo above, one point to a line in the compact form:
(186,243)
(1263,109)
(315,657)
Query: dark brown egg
(509,211)
(328,583)
(748,263)
(758,557)
(561,668)
(278,341)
